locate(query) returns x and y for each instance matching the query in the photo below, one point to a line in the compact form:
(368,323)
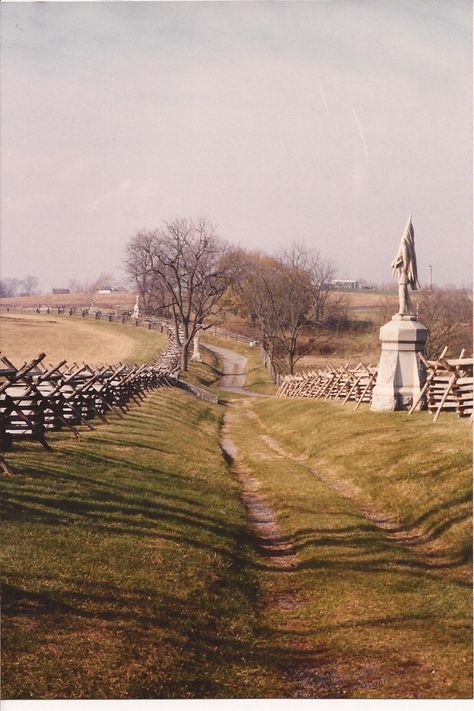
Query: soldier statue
(405,264)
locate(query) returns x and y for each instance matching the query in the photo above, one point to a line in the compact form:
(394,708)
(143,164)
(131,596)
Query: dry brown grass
(23,336)
(358,301)
(116,300)
(350,348)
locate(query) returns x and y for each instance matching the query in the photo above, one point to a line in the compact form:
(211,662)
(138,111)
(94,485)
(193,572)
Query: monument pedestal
(401,374)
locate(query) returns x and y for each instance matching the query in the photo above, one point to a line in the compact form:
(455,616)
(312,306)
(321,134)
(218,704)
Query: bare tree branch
(182,267)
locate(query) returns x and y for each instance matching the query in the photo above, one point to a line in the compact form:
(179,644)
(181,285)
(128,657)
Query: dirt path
(235,371)
(263,519)
(311,657)
(273,545)
(307,671)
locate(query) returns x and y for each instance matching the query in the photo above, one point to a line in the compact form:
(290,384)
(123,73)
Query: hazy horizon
(323,122)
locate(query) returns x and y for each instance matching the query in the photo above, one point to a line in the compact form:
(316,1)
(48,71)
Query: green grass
(417,471)
(258,379)
(129,571)
(205,374)
(126,564)
(378,618)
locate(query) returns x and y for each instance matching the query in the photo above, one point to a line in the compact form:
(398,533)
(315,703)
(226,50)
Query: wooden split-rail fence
(37,398)
(126,317)
(342,383)
(448,386)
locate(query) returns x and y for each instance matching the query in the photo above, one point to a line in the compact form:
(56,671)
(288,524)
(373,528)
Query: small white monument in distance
(136,309)
(196,354)
(401,374)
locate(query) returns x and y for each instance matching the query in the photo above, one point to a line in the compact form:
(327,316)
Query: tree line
(184,270)
(11,286)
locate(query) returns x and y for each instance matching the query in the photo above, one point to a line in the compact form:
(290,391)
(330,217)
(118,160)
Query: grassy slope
(127,572)
(382,619)
(23,336)
(205,374)
(419,472)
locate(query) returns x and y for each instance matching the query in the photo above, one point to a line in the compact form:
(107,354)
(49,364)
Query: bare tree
(103,281)
(447,314)
(289,294)
(9,287)
(29,285)
(76,286)
(185,266)
(139,265)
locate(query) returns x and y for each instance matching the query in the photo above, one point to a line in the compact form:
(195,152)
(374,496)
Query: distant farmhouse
(106,289)
(345,284)
(350,284)
(61,291)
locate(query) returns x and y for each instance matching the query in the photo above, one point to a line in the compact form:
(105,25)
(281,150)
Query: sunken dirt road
(356,609)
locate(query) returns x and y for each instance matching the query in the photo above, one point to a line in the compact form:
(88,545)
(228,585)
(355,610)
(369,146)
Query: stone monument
(196,354)
(401,374)
(136,310)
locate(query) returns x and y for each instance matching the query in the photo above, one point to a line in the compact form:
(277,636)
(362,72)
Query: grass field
(130,571)
(349,348)
(352,347)
(378,509)
(24,336)
(120,300)
(360,301)
(126,564)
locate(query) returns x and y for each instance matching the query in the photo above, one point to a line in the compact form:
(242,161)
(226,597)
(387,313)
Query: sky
(324,122)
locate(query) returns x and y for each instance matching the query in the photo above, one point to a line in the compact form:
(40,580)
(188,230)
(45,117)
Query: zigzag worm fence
(448,386)
(37,398)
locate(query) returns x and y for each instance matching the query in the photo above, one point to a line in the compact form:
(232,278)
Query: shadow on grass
(163,514)
(154,515)
(206,642)
(205,631)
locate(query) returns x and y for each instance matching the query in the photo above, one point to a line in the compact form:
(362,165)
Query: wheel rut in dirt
(275,547)
(308,671)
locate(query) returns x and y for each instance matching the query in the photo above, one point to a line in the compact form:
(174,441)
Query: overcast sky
(326,122)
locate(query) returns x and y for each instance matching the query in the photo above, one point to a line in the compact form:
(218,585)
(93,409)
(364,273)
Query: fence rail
(125,317)
(448,386)
(343,383)
(37,398)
